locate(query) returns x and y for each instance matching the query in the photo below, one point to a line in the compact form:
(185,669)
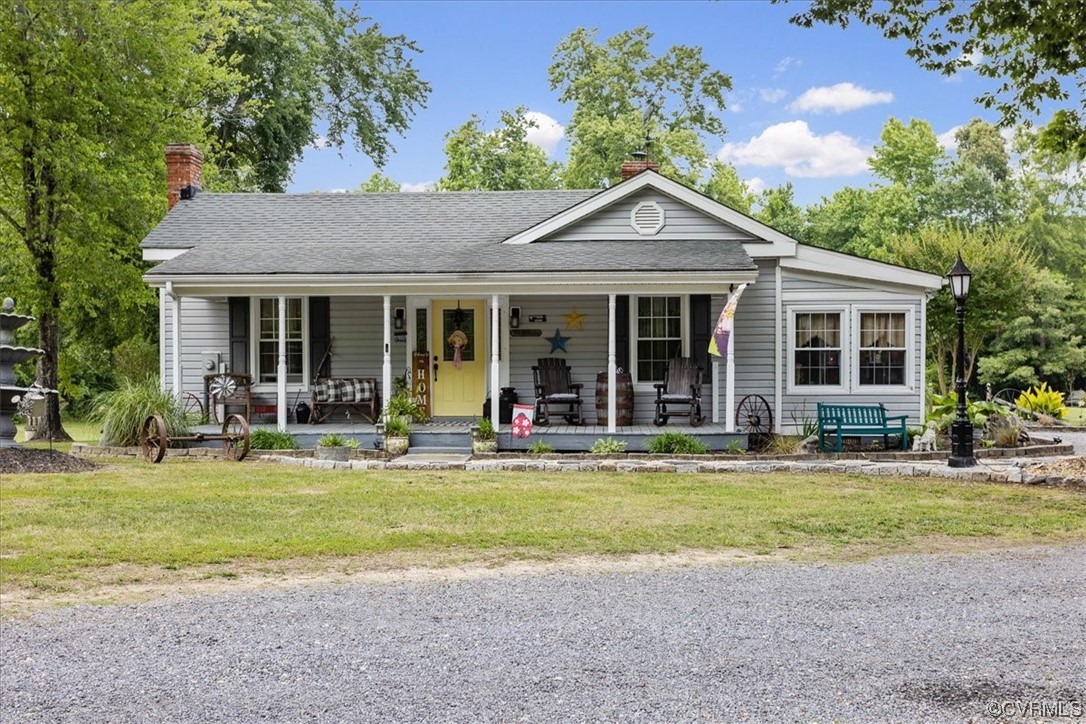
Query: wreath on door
(458,341)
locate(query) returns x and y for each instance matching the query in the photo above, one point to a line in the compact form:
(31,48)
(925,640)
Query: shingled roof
(391,233)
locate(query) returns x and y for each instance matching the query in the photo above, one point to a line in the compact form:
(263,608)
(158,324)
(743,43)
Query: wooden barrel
(624,399)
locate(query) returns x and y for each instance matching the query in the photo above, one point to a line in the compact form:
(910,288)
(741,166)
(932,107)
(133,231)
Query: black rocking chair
(681,386)
(554,386)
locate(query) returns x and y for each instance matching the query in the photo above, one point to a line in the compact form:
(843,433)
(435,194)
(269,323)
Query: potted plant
(483,437)
(397,435)
(331,446)
(404,406)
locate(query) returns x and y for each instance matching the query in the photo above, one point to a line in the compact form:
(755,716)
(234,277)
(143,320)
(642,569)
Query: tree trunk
(49,375)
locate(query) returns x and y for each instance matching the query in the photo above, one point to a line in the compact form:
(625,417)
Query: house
(622,278)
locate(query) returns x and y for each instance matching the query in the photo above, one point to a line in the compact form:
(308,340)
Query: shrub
(485,430)
(944,408)
(272,440)
(735,447)
(1042,400)
(785,445)
(676,443)
(1005,430)
(609,446)
(122,412)
(331,439)
(397,427)
(135,359)
(402,404)
(540,447)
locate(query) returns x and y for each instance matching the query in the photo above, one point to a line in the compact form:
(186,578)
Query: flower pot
(484,446)
(339,454)
(396,446)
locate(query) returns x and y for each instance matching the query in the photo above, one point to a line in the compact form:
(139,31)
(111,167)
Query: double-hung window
(268,344)
(882,349)
(817,348)
(659,335)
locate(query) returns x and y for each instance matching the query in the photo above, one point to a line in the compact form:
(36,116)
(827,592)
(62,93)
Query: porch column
(386,364)
(612,371)
(175,304)
(716,390)
(495,363)
(729,386)
(281,370)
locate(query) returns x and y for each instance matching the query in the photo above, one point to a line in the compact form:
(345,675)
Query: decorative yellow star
(574,320)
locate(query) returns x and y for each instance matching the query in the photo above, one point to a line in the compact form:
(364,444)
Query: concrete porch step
(430,450)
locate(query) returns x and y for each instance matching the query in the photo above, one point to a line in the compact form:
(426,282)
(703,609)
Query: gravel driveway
(909,638)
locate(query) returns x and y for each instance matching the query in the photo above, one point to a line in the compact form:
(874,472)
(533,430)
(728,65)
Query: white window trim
(841,389)
(850,335)
(684,331)
(254,345)
(910,346)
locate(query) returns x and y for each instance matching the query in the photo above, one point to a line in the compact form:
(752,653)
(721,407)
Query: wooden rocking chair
(681,386)
(554,386)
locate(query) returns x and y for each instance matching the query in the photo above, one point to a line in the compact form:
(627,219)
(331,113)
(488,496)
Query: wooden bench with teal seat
(840,420)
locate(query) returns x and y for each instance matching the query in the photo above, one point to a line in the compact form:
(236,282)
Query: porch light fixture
(399,320)
(961,430)
(514,317)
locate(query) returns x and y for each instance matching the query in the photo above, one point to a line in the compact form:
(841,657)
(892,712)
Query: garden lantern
(961,431)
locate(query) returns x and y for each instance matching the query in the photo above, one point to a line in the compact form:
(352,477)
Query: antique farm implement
(234,438)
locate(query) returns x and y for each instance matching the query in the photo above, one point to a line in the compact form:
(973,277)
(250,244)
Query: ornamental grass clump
(676,443)
(122,412)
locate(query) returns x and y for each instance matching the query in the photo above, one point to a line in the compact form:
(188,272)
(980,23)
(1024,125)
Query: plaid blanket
(344,390)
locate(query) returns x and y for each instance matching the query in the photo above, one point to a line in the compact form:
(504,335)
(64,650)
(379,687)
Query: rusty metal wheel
(153,439)
(194,409)
(235,438)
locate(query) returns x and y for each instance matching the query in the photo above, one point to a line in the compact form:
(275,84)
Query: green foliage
(623,94)
(725,185)
(777,208)
(1042,400)
(404,404)
(331,439)
(735,447)
(608,446)
(540,446)
(498,160)
(943,409)
(803,422)
(909,154)
(379,183)
(1032,50)
(122,412)
(272,440)
(304,60)
(676,443)
(485,429)
(397,427)
(136,358)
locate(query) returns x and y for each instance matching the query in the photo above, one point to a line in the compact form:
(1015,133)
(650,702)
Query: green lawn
(59,530)
(80,431)
(1075,416)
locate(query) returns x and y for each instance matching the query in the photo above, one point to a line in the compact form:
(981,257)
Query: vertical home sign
(420,380)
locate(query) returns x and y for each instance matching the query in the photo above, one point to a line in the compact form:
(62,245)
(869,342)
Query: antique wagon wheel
(235,438)
(754,417)
(194,409)
(221,388)
(153,439)
(1009,396)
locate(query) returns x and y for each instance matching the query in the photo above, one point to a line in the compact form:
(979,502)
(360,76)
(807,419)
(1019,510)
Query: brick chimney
(639,163)
(184,162)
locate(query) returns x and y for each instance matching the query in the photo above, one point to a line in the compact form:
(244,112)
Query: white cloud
(547,132)
(772,95)
(735,106)
(319,142)
(785,63)
(756,185)
(947,139)
(839,98)
(417,188)
(801,153)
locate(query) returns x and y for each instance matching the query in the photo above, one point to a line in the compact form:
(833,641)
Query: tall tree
(625,97)
(725,186)
(778,208)
(378,183)
(498,160)
(91,92)
(306,61)
(1034,49)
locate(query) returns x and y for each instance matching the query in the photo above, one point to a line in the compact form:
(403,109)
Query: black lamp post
(961,431)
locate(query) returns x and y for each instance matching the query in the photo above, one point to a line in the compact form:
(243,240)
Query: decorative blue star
(558,342)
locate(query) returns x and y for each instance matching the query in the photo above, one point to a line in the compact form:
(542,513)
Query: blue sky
(806,107)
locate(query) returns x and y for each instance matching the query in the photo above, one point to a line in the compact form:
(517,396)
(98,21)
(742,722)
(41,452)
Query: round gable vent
(647,218)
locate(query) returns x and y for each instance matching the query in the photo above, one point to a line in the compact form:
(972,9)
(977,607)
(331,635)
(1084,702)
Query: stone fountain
(10,355)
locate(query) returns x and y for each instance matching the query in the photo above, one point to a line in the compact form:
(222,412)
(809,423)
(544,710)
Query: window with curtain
(659,335)
(882,348)
(268,324)
(817,348)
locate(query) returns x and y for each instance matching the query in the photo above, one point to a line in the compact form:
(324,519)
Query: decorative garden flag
(718,345)
(522,420)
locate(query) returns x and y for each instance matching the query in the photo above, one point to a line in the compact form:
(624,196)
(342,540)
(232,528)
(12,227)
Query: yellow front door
(459,384)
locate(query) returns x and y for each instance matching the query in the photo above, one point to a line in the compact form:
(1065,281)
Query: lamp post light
(961,431)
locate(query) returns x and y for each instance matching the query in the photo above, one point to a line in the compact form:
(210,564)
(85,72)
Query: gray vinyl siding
(680,222)
(358,336)
(205,326)
(798,406)
(754,340)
